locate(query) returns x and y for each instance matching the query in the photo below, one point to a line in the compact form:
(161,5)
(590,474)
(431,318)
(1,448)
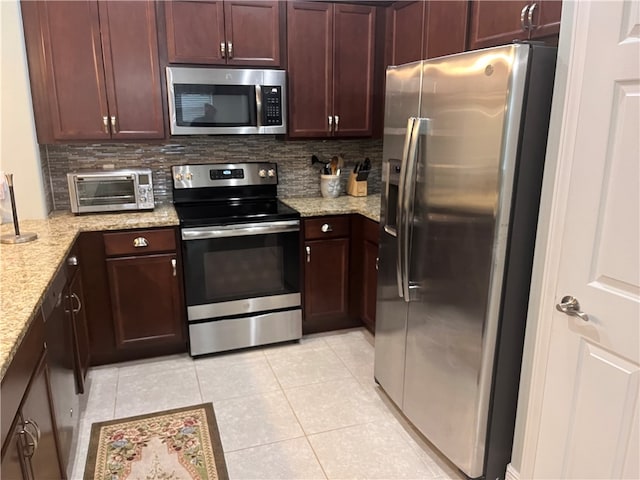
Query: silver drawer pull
(174,263)
(308,250)
(140,242)
(326,228)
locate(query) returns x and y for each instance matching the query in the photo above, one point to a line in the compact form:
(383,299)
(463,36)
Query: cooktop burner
(245,211)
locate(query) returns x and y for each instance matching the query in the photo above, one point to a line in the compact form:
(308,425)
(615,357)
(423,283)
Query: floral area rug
(183,443)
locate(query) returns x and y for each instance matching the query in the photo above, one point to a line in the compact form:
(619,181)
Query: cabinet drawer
(140,242)
(326,227)
(370,230)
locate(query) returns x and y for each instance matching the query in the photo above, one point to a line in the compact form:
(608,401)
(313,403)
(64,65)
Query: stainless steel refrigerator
(464,146)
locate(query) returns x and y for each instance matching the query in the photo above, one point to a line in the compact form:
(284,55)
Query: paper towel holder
(17,237)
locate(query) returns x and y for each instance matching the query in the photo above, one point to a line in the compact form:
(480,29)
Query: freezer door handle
(400,206)
(420,127)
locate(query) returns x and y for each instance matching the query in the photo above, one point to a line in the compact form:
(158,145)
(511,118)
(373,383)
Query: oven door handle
(240,230)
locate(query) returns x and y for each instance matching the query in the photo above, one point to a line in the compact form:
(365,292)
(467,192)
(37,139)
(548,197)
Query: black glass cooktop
(227,212)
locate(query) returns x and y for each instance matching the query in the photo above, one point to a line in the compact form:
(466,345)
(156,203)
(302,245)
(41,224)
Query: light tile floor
(307,410)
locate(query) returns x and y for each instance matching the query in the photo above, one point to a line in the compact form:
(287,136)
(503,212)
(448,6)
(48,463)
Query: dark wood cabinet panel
(65,49)
(145,298)
(353,57)
(253,32)
(331,63)
(496,23)
(29,438)
(310,58)
(140,242)
(229,32)
(132,69)
(445,28)
(195,31)
(369,284)
(326,280)
(80,331)
(364,273)
(94,70)
(405,24)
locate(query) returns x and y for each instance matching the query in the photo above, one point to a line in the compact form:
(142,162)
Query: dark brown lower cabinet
(30,447)
(364,271)
(145,300)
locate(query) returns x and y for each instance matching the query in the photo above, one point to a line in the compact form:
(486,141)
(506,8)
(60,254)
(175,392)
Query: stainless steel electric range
(241,259)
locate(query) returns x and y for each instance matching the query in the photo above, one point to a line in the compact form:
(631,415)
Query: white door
(590,423)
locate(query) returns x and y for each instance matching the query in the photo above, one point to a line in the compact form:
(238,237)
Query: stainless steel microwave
(219,101)
(111,190)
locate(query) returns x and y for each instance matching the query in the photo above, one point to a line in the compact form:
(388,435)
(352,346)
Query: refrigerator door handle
(420,127)
(400,207)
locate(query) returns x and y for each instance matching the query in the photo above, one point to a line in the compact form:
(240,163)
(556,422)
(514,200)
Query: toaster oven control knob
(188,176)
(262,172)
(271,172)
(179,177)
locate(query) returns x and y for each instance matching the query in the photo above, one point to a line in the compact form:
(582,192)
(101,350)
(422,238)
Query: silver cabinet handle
(77,299)
(330,120)
(523,18)
(326,228)
(377,263)
(140,242)
(223,51)
(32,441)
(571,306)
(230,49)
(308,250)
(105,122)
(113,124)
(174,263)
(337,121)
(72,261)
(530,16)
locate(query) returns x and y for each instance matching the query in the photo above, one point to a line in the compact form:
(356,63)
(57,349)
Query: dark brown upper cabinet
(331,64)
(224,32)
(420,30)
(94,70)
(498,22)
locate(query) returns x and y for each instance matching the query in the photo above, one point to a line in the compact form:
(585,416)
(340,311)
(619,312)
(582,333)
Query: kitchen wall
(297,177)
(18,147)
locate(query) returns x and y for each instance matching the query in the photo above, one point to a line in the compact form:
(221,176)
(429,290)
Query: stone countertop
(26,270)
(368,206)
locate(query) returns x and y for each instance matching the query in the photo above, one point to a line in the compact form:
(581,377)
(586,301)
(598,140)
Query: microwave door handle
(420,127)
(399,207)
(258,106)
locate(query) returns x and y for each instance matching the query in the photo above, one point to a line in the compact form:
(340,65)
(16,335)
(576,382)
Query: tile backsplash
(297,177)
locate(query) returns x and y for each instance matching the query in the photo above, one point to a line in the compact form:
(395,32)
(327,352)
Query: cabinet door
(145,300)
(326,281)
(404,32)
(253,32)
(310,60)
(195,32)
(546,18)
(354,44)
(445,30)
(496,23)
(13,462)
(80,330)
(37,416)
(74,85)
(130,45)
(370,284)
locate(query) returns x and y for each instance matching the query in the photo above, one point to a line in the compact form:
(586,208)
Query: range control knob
(262,173)
(179,177)
(272,172)
(188,176)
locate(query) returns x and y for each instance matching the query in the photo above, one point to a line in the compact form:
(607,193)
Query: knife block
(355,188)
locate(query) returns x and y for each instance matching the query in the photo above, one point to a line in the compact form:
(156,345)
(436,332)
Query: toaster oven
(111,190)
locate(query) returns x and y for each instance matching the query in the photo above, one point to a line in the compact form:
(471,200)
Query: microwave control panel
(271,105)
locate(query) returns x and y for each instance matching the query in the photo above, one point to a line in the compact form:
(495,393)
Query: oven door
(102,193)
(241,269)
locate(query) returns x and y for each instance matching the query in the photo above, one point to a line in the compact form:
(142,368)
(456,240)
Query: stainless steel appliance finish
(111,190)
(220,91)
(464,145)
(245,332)
(240,254)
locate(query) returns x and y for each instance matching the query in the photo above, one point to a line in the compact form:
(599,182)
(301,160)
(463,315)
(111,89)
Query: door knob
(571,306)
